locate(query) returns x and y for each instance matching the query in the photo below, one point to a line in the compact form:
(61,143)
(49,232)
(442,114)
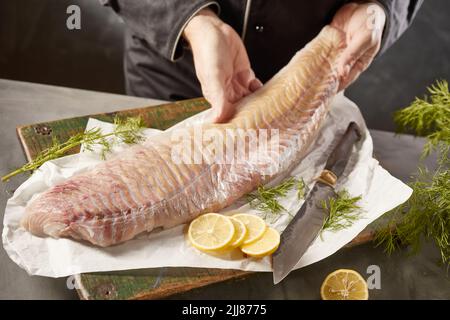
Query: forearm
(194,30)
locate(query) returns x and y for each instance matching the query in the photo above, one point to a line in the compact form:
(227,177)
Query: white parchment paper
(163,248)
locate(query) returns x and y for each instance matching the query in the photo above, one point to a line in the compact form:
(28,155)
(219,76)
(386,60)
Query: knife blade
(307,223)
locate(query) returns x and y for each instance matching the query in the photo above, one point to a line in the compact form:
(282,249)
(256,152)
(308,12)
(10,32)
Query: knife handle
(340,155)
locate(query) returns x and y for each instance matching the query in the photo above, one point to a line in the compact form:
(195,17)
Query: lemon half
(344,284)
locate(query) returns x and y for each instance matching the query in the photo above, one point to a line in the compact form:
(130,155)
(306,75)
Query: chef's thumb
(248,80)
(221,109)
(214,91)
(255,84)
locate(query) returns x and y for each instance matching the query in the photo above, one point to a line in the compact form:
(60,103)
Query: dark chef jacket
(158,63)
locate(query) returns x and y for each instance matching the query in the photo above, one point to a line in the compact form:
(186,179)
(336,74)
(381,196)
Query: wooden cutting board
(137,284)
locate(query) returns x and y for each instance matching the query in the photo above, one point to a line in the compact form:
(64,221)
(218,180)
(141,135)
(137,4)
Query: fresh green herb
(267,199)
(128,131)
(426,214)
(302,189)
(429,117)
(343,211)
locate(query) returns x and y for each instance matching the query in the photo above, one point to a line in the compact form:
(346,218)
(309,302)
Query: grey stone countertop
(402,276)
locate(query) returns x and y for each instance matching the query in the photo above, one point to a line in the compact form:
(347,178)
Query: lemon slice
(211,231)
(254,224)
(264,246)
(239,234)
(344,284)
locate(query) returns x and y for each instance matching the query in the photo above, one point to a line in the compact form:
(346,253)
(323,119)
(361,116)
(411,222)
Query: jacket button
(259,28)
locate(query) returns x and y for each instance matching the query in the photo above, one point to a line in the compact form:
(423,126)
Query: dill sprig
(267,199)
(342,210)
(302,189)
(428,117)
(426,214)
(128,131)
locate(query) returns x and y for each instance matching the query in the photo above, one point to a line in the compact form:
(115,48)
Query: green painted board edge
(39,136)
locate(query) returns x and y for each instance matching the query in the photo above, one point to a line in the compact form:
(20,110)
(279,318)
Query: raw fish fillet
(145,188)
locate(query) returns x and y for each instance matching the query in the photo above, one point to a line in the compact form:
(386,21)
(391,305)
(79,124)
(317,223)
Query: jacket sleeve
(160,22)
(399,16)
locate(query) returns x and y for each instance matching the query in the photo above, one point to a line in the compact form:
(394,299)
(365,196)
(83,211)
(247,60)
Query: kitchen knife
(308,222)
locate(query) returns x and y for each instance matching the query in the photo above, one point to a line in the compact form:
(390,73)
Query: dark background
(36,46)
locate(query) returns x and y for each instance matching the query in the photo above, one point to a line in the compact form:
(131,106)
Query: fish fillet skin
(143,188)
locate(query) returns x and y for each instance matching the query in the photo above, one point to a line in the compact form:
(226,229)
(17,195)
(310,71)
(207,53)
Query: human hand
(363,25)
(221,63)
